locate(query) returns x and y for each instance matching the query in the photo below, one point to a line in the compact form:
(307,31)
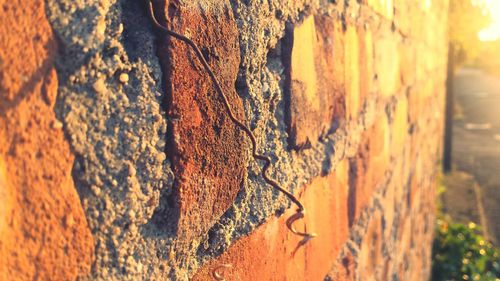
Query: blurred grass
(460,251)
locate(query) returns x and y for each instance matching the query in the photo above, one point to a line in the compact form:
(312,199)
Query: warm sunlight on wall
(492,32)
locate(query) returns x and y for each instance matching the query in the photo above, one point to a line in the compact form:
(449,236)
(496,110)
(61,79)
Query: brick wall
(132,149)
(370,75)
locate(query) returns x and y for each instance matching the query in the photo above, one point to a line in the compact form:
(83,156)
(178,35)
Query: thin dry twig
(267,161)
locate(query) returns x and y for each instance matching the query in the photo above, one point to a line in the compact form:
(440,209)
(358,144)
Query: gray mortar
(260,83)
(117,130)
(390,247)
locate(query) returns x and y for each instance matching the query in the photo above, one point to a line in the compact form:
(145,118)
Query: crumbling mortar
(88,58)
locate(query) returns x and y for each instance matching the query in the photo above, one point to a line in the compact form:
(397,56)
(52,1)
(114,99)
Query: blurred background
(468,227)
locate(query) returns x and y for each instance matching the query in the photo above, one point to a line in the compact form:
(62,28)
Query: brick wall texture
(118,160)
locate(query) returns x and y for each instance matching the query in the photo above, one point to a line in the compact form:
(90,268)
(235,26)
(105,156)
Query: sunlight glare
(492,32)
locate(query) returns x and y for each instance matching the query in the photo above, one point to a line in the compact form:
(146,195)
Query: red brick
(207,151)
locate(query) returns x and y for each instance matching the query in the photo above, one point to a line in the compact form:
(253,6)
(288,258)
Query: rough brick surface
(144,177)
(206,148)
(314,60)
(43,230)
(393,96)
(273,253)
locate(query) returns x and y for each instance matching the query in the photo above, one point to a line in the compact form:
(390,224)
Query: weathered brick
(43,230)
(403,248)
(285,258)
(344,268)
(367,168)
(206,150)
(314,62)
(373,214)
(370,255)
(399,127)
(5,200)
(389,205)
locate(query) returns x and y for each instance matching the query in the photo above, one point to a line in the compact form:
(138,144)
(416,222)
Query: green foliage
(461,253)
(466,19)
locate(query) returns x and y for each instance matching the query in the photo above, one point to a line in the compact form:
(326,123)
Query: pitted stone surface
(117,129)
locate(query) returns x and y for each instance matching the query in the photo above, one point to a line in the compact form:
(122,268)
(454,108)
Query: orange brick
(314,66)
(352,67)
(399,126)
(367,168)
(389,206)
(402,8)
(407,64)
(383,7)
(370,255)
(271,252)
(37,191)
(387,65)
(366,59)
(5,199)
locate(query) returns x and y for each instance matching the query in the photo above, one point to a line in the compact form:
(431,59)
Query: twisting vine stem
(267,161)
